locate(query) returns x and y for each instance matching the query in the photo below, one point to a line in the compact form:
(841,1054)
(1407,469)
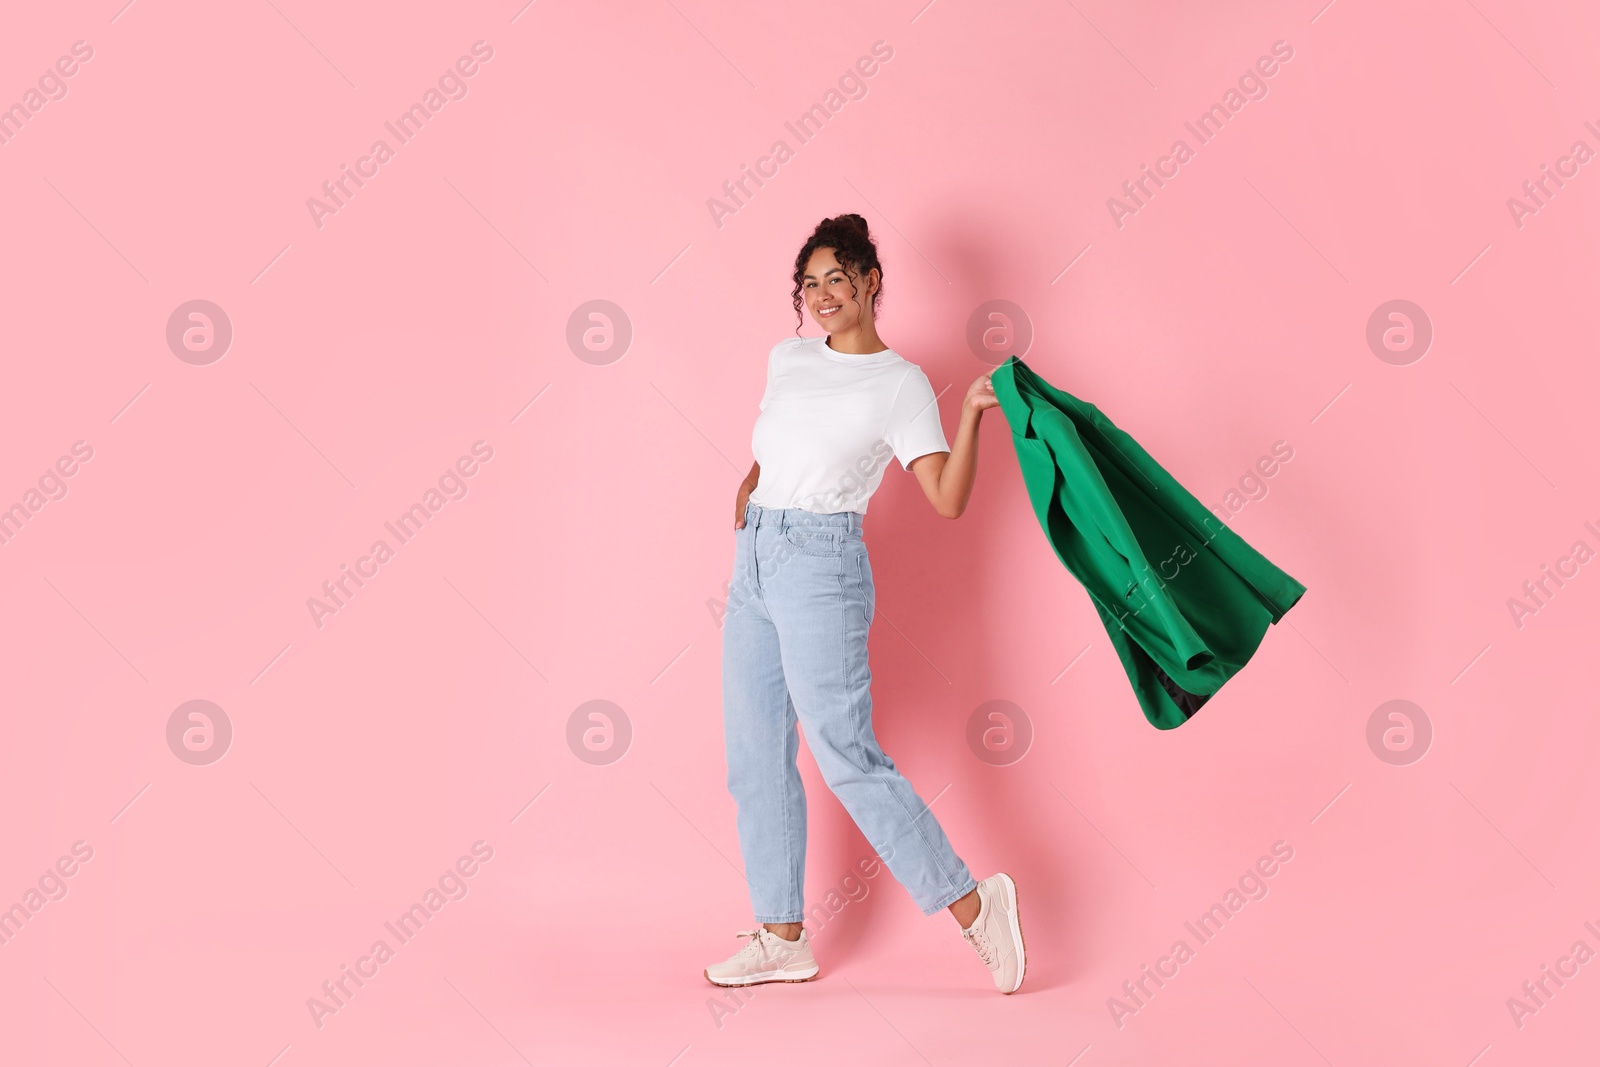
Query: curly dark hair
(852,246)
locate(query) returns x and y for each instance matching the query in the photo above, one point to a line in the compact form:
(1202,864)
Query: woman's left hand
(980,395)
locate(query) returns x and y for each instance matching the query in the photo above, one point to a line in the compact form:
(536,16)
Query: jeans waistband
(844,521)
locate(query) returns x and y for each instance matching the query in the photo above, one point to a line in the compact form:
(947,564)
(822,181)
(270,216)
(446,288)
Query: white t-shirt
(830,421)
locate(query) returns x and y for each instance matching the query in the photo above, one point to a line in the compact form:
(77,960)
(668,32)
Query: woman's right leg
(761,743)
(823,601)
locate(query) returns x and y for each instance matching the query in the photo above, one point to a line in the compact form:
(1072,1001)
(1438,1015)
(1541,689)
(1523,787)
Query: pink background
(431,312)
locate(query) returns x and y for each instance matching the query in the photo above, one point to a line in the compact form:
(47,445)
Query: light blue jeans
(794,645)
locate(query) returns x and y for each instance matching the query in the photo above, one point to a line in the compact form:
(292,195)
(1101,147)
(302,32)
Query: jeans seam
(783,800)
(859,729)
(917,825)
(798,917)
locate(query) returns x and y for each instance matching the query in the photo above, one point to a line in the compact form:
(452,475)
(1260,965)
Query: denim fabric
(794,646)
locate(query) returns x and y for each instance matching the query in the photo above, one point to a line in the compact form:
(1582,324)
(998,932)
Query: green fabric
(1180,594)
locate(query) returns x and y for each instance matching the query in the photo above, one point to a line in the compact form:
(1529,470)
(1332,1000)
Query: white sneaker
(766,958)
(996,934)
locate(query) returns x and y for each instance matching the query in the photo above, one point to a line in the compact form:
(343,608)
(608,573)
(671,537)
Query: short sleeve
(914,428)
(772,374)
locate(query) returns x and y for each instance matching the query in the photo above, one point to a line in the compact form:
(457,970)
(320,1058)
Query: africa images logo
(1207,125)
(451,85)
(451,885)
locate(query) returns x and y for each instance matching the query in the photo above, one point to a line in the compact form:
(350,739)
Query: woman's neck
(860,342)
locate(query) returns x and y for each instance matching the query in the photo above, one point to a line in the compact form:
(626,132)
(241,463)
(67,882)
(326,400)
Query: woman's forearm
(955,480)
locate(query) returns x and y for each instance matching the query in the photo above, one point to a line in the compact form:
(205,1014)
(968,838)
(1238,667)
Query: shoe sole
(758,980)
(1016,929)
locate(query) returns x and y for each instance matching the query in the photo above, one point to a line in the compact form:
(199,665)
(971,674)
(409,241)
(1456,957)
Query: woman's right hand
(745,488)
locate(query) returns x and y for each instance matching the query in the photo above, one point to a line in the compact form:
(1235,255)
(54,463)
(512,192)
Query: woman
(836,410)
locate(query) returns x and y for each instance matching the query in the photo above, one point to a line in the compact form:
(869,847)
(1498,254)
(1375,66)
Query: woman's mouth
(827,312)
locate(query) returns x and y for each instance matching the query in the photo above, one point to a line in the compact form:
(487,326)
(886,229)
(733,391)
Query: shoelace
(753,945)
(981,943)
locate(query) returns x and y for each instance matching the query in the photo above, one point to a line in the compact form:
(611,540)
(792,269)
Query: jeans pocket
(813,542)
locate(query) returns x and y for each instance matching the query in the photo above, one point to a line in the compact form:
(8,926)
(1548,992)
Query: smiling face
(826,288)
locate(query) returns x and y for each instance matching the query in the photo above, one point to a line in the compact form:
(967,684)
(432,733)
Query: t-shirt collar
(888,355)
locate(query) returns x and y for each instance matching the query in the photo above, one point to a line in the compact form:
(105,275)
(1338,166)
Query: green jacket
(1183,598)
